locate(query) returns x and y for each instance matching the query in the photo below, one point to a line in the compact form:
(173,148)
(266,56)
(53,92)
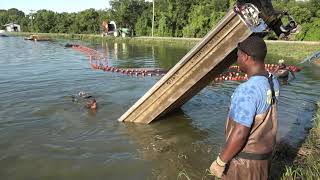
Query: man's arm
(235,143)
(242,111)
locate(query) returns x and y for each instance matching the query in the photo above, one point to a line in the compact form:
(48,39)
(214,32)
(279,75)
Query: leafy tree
(143,27)
(315,5)
(44,21)
(172,16)
(3,17)
(199,19)
(310,31)
(14,15)
(63,22)
(163,27)
(127,12)
(73,28)
(86,21)
(204,16)
(301,15)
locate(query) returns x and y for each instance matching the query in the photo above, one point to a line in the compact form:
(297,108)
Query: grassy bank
(292,52)
(135,40)
(290,163)
(306,164)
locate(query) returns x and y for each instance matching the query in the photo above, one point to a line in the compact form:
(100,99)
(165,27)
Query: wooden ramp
(211,56)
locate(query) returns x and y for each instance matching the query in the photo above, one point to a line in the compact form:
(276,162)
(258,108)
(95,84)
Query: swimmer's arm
(277,69)
(293,76)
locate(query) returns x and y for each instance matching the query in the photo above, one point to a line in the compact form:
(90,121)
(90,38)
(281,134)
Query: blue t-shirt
(252,98)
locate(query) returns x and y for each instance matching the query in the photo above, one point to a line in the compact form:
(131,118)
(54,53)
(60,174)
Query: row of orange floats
(97,61)
(234,74)
(231,76)
(271,68)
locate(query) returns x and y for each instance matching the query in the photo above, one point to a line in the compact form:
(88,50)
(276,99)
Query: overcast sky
(54,5)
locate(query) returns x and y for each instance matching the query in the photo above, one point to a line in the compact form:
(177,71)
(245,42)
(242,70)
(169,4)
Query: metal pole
(152,17)
(31,19)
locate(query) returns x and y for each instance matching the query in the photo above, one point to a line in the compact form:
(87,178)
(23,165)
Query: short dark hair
(93,100)
(255,47)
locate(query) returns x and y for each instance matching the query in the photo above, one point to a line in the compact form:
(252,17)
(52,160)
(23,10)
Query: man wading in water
(251,126)
(282,71)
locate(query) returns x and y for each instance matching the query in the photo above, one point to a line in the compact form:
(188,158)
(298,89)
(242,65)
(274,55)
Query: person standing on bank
(251,126)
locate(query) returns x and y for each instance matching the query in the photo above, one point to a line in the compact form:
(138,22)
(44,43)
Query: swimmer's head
(281,64)
(92,104)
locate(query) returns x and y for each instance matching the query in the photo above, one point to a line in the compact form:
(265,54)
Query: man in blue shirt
(252,121)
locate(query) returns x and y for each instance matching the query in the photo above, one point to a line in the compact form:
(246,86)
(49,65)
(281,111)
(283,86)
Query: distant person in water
(282,71)
(92,104)
(86,99)
(71,45)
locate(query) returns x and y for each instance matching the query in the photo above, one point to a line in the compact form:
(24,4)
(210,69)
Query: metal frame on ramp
(194,71)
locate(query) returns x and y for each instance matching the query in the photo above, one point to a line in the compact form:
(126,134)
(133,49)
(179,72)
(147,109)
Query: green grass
(291,52)
(307,164)
(95,38)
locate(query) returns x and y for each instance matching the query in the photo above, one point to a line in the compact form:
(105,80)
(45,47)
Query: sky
(54,5)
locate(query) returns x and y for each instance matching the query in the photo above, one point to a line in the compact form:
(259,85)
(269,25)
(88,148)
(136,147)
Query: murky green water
(43,135)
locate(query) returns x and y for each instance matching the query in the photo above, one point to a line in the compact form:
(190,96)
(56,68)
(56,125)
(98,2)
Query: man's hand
(217,167)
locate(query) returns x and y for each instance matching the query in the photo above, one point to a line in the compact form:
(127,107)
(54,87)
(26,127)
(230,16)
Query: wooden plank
(193,72)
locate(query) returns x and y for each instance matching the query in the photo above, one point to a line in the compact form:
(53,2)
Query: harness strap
(270,79)
(253,156)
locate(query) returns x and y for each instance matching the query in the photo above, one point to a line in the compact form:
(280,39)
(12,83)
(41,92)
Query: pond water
(44,135)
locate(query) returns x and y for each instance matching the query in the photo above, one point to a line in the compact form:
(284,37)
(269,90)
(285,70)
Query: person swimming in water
(71,45)
(92,104)
(282,72)
(86,99)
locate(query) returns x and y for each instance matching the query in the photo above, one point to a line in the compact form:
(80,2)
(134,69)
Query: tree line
(173,18)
